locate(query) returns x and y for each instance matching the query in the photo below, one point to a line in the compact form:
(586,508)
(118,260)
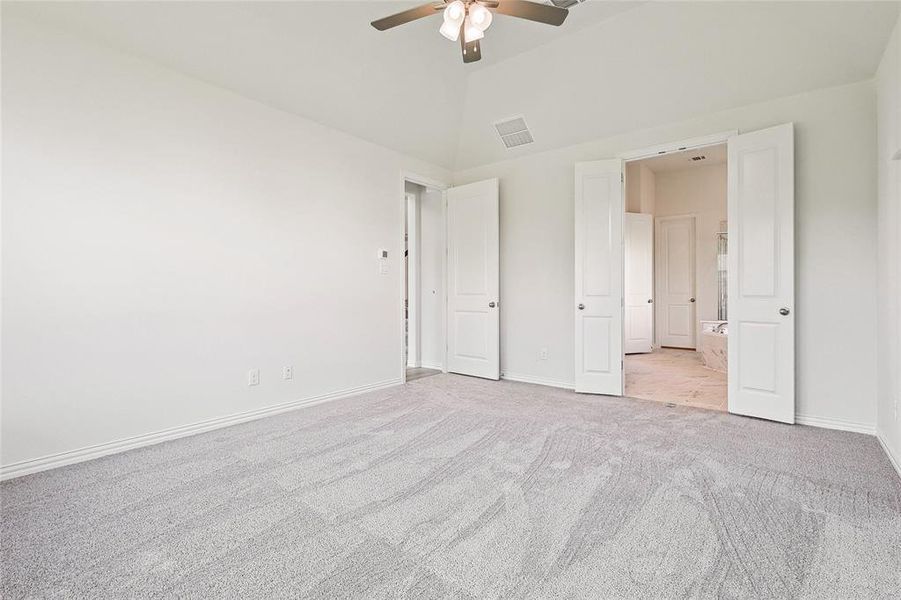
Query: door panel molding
(676,262)
(761,274)
(638,277)
(473,280)
(598,298)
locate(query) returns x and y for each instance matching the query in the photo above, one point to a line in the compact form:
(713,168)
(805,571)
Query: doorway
(451,279)
(423,280)
(760,328)
(675,314)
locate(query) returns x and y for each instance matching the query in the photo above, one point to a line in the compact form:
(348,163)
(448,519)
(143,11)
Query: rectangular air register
(565,3)
(514,132)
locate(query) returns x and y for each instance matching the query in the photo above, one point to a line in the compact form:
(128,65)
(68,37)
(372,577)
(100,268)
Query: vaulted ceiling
(612,66)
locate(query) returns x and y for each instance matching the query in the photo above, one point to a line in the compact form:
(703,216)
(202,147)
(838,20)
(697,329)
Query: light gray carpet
(452,487)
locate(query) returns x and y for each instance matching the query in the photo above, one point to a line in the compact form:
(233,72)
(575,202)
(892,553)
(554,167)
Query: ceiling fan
(467,20)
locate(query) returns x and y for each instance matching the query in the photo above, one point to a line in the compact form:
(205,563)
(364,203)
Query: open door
(473,281)
(761,274)
(599,277)
(639,282)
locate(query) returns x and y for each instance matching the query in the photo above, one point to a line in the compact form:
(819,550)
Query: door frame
(693,143)
(441,186)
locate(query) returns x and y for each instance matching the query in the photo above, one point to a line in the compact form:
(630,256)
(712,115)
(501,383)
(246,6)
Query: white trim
(423,181)
(53,461)
(895,460)
(838,424)
(435,367)
(690,144)
(537,381)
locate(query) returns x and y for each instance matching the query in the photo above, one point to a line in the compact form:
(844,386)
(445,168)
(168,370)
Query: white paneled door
(676,281)
(761,274)
(473,303)
(639,283)
(599,277)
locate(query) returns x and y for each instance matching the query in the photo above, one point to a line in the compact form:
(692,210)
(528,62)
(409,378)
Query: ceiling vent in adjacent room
(514,132)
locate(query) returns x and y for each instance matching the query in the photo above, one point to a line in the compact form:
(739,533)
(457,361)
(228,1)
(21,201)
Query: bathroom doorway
(675,262)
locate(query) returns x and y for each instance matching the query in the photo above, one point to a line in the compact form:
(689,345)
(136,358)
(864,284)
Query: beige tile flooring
(677,376)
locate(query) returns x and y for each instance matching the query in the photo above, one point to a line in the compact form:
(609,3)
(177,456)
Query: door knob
(650,301)
(691,299)
(784,312)
(581,307)
(491,305)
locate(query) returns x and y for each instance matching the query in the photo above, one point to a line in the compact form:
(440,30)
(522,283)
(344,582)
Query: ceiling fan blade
(406,16)
(488,3)
(471,51)
(542,13)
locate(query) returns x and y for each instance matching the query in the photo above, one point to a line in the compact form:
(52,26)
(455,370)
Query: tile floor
(677,376)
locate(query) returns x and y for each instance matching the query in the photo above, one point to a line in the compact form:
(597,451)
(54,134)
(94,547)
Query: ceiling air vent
(514,132)
(698,158)
(565,3)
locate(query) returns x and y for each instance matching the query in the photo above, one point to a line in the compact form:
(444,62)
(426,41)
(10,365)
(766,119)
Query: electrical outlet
(253,377)
(542,354)
(287,373)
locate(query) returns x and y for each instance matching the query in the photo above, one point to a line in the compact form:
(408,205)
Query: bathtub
(713,345)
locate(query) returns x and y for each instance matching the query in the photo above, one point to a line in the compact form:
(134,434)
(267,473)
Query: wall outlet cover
(287,373)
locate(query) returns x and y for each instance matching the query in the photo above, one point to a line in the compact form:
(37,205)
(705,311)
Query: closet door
(676,281)
(639,283)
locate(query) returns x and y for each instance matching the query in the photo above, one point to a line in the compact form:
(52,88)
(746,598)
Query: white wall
(162,236)
(700,191)
(641,188)
(432,277)
(835,237)
(889,342)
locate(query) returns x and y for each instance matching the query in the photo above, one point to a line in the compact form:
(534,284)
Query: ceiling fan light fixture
(480,16)
(455,13)
(471,33)
(450,31)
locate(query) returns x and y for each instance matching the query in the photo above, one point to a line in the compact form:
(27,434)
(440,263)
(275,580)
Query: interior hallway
(676,376)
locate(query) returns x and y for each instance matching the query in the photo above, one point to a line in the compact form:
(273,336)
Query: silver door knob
(491,305)
(650,301)
(784,312)
(691,299)
(581,307)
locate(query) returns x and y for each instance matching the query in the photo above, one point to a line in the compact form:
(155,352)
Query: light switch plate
(383,262)
(253,377)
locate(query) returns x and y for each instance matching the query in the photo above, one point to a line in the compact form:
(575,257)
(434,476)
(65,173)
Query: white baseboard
(892,457)
(53,461)
(839,424)
(537,380)
(437,367)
